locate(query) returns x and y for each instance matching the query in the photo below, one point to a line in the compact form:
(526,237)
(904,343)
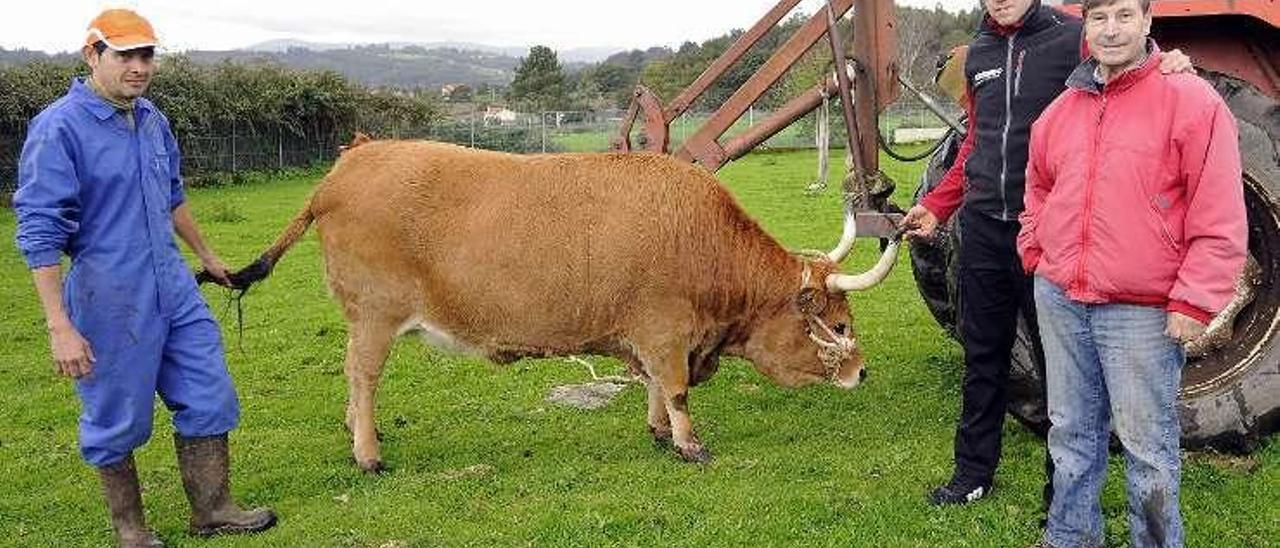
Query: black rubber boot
(124,501)
(205,465)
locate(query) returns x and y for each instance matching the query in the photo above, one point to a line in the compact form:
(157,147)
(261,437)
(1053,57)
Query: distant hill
(571,55)
(383,65)
(281,46)
(428,65)
(20,56)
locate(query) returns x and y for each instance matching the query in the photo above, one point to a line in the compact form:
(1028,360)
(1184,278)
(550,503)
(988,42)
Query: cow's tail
(261,268)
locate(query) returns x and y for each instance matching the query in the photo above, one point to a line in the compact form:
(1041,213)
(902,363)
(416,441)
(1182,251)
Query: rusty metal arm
(702,146)
(658,118)
(873,72)
(933,107)
(622,141)
(655,126)
(873,15)
(845,89)
(795,109)
(735,52)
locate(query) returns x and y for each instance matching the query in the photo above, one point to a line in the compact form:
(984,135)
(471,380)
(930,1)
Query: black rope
(235,294)
(904,158)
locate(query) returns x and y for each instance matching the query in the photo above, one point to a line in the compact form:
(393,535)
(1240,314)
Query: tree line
(199,96)
(229,116)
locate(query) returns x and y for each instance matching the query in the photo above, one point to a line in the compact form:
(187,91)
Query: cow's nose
(862,375)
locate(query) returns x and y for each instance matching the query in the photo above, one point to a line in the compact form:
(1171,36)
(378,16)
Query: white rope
(617,379)
(831,352)
(836,348)
(822,139)
(853,186)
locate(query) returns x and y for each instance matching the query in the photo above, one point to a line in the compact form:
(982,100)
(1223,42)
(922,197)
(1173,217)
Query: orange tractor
(1230,396)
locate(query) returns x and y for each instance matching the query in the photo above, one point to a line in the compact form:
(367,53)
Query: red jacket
(1133,192)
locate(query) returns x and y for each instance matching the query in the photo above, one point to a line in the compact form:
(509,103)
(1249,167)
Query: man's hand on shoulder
(1174,62)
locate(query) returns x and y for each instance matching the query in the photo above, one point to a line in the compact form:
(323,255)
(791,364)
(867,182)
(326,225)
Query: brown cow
(637,256)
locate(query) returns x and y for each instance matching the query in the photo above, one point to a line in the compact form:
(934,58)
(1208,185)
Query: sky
(59,25)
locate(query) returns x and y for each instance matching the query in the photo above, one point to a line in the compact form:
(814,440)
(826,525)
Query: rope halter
(833,348)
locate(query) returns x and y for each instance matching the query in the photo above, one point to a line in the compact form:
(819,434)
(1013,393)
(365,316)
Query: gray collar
(1088,75)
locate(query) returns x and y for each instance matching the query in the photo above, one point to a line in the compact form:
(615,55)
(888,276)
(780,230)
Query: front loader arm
(872,86)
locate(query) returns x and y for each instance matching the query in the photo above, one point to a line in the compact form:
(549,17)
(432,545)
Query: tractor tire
(1230,397)
(932,263)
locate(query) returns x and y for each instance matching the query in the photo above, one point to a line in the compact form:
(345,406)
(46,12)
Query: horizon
(587,54)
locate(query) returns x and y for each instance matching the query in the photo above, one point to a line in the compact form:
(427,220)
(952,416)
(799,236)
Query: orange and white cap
(121,30)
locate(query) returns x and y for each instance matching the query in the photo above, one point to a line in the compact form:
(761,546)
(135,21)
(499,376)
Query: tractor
(1230,395)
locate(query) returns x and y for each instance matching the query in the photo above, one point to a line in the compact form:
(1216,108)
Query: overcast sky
(59,25)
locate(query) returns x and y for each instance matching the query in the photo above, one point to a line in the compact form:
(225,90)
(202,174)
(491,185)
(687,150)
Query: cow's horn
(846,240)
(868,279)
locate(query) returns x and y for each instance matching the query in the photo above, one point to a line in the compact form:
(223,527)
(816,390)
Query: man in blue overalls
(99,181)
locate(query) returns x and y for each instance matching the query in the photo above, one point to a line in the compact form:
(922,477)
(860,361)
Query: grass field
(479,458)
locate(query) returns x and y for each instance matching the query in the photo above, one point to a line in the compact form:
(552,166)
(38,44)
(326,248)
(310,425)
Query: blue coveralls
(96,188)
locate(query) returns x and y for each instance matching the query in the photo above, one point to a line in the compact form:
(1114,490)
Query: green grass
(583,141)
(814,467)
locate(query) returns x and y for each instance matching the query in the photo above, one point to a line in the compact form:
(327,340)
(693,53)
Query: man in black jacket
(1018,63)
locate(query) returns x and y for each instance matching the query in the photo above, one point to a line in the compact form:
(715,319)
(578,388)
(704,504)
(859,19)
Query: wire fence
(237,146)
(233,147)
(10,148)
(221,148)
(575,131)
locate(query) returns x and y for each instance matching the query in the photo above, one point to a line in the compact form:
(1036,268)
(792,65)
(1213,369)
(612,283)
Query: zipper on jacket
(1088,197)
(1017,74)
(1004,136)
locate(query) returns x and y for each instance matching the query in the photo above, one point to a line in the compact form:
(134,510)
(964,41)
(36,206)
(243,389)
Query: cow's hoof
(661,436)
(374,467)
(697,455)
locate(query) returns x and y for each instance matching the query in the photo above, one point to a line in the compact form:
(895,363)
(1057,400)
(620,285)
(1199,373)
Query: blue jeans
(1110,365)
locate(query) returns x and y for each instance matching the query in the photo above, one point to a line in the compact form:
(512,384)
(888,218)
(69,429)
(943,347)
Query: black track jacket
(1013,73)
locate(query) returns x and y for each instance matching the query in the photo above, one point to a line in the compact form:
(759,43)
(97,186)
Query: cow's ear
(811,300)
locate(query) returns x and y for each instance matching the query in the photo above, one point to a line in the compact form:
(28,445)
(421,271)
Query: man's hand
(921,223)
(217,269)
(1174,61)
(72,356)
(1183,329)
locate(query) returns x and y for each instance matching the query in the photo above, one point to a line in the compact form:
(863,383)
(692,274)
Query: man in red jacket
(1134,226)
(1016,66)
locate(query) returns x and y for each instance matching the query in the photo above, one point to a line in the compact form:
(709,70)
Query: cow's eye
(840,328)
